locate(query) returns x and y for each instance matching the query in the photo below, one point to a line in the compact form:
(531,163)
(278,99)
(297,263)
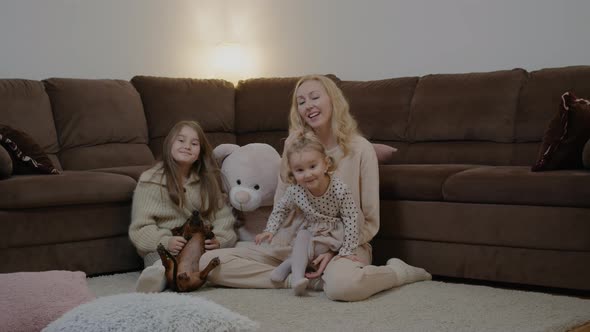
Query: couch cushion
(540,96)
(131,171)
(524,226)
(518,185)
(107,156)
(473,107)
(23,100)
(169,100)
(263,104)
(5,163)
(93,118)
(415,182)
(68,188)
(381,107)
(586,155)
(29,227)
(481,153)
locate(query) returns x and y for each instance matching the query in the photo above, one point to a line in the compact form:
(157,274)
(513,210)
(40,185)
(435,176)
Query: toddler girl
(329,211)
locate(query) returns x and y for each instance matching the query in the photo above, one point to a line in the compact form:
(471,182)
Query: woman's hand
(263,236)
(212,244)
(321,262)
(175,244)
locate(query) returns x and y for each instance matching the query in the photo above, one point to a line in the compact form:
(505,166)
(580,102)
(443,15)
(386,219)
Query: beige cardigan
(153,213)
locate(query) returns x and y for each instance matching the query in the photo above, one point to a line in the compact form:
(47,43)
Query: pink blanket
(31,300)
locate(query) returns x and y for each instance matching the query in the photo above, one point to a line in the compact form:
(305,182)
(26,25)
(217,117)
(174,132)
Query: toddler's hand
(175,244)
(263,236)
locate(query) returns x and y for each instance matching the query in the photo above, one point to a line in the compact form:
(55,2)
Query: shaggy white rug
(151,312)
(422,306)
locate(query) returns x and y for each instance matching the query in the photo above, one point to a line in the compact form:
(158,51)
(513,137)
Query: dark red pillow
(27,156)
(564,139)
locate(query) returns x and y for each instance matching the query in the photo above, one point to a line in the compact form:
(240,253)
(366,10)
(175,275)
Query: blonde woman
(319,106)
(187,179)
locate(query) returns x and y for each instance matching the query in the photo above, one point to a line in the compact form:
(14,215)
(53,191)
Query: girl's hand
(212,244)
(175,244)
(263,236)
(321,262)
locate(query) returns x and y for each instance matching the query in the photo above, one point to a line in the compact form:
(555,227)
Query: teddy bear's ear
(222,151)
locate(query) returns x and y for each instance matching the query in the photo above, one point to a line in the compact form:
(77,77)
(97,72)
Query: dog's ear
(208,227)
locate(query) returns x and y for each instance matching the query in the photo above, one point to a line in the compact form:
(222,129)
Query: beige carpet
(423,306)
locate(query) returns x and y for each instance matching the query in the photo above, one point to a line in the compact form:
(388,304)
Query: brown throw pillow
(566,135)
(27,156)
(5,163)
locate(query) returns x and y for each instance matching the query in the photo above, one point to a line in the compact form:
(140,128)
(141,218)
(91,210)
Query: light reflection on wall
(233,62)
(226,44)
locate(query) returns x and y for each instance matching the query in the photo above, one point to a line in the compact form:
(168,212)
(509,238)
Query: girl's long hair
(205,167)
(344,126)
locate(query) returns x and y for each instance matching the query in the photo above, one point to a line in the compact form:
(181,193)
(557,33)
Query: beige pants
(249,266)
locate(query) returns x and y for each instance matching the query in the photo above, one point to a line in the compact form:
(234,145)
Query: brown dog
(182,271)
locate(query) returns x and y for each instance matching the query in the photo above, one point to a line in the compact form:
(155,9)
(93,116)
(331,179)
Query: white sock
(300,286)
(151,280)
(406,273)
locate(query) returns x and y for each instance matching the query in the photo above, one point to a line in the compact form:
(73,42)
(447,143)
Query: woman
(318,105)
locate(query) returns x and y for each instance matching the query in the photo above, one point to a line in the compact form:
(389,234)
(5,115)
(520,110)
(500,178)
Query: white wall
(354,39)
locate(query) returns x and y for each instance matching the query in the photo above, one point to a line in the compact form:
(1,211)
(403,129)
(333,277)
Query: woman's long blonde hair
(344,126)
(205,167)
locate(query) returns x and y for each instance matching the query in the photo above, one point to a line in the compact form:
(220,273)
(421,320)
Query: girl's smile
(309,168)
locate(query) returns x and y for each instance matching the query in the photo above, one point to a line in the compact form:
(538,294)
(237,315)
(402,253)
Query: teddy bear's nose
(242,197)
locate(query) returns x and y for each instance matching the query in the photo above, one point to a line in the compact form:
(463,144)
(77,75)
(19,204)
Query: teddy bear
(250,175)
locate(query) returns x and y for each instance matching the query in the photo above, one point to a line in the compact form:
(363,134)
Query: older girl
(186,179)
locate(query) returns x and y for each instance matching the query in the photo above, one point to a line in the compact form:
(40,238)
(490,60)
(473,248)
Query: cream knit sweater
(153,213)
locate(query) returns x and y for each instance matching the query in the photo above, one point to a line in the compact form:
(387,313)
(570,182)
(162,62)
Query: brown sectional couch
(459,199)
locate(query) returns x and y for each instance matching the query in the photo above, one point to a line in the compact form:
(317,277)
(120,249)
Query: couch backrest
(262,110)
(169,100)
(491,118)
(99,123)
(25,106)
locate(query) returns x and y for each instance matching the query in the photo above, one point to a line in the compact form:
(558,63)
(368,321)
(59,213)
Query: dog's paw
(215,261)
